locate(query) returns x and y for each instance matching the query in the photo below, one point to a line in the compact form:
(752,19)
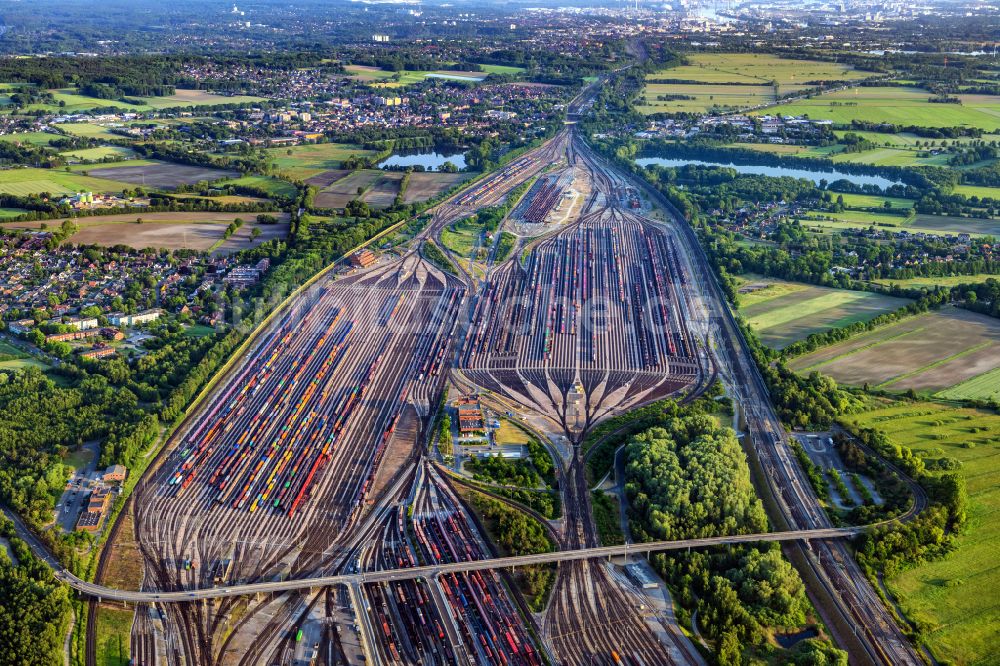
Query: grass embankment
(433,254)
(114,631)
(607,518)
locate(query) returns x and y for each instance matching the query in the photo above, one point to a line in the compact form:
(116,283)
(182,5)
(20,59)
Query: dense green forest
(678,472)
(34,608)
(503,471)
(689,478)
(39,421)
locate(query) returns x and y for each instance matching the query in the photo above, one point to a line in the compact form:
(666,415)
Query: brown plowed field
(161,175)
(928,352)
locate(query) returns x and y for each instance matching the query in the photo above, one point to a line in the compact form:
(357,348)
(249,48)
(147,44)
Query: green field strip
(984,386)
(931,366)
(808,308)
(870,345)
(748,76)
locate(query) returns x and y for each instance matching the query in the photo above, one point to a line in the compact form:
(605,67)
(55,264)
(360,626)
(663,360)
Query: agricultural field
(853,219)
(932,224)
(343,190)
(383,190)
(984,387)
(929,353)
(897,105)
(738,80)
(169,230)
(955,225)
(460,76)
(273,186)
(242,239)
(31,138)
(900,157)
(704,97)
(426,185)
(160,175)
(822,152)
(379,188)
(978,191)
(501,69)
(311,159)
(375,187)
(326,178)
(182,98)
(222,198)
(367,74)
(782,312)
(89,131)
(900,140)
(25,182)
(953,597)
(386,79)
(8,213)
(908,140)
(939,281)
(873,201)
(762,68)
(73,102)
(99,153)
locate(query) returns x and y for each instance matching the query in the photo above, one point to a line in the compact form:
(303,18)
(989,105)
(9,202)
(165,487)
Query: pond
(429,159)
(815,175)
(788,640)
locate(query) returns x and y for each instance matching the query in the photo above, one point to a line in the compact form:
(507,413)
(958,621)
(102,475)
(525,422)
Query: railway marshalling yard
(310,457)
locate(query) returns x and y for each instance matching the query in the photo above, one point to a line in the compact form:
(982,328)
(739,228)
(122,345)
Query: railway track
(278,466)
(839,589)
(591,324)
(275,475)
(272,478)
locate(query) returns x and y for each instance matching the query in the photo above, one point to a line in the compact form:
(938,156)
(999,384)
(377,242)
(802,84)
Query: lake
(428,159)
(815,176)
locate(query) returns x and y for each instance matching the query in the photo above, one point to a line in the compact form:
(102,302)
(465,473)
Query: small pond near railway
(429,159)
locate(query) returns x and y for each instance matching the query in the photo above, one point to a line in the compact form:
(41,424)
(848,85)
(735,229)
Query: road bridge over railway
(110,594)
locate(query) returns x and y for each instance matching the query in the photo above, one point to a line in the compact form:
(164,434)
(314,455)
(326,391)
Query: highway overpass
(110,594)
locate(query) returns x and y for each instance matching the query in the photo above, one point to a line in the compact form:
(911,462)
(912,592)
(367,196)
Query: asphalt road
(110,594)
